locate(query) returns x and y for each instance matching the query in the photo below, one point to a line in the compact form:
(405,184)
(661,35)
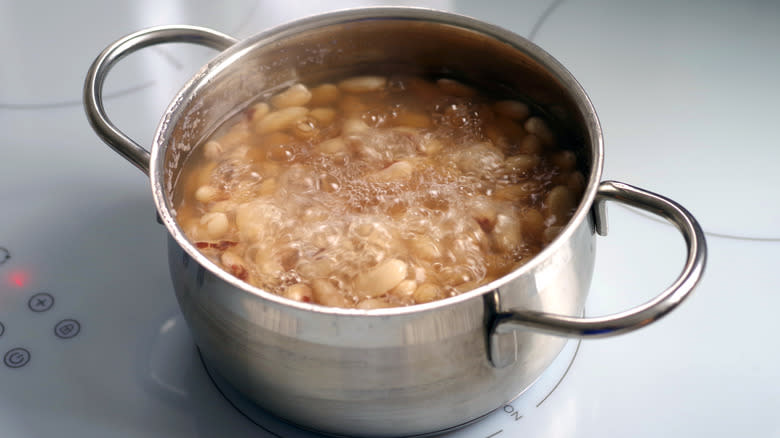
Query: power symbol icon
(16,358)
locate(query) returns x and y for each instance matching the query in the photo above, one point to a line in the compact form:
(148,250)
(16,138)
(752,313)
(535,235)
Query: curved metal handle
(641,315)
(93,86)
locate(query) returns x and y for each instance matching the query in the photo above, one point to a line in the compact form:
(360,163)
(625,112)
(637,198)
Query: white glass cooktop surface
(91,340)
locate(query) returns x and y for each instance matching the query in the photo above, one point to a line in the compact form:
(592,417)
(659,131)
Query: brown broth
(377,192)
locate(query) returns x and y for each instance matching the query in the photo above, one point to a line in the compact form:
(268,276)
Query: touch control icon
(2,329)
(67,328)
(16,358)
(4,255)
(41,302)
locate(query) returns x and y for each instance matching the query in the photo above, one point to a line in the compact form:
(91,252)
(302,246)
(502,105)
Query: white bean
(332,146)
(327,294)
(424,247)
(395,172)
(507,234)
(531,145)
(426,293)
(353,126)
(297,95)
(299,292)
(380,278)
(363,84)
(539,128)
(323,115)
(373,303)
(404,289)
(324,94)
(280,119)
(217,224)
(212,149)
(455,88)
(513,109)
(560,204)
(521,163)
(206,193)
(565,160)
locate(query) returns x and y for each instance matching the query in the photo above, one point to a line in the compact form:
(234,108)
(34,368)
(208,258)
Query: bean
(400,170)
(507,234)
(353,126)
(508,129)
(280,119)
(530,145)
(533,224)
(404,289)
(455,88)
(485,214)
(332,146)
(425,293)
(325,293)
(513,109)
(217,224)
(560,203)
(429,146)
(576,183)
(323,115)
(237,135)
(296,95)
(306,128)
(521,163)
(373,303)
(206,193)
(212,149)
(380,278)
(538,127)
(258,111)
(324,95)
(517,192)
(234,264)
(565,160)
(424,247)
(363,84)
(268,265)
(299,292)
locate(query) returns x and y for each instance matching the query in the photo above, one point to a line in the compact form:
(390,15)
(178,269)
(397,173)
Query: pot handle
(638,316)
(93,86)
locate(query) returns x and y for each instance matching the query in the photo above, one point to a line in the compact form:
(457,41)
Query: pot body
(392,375)
(385,372)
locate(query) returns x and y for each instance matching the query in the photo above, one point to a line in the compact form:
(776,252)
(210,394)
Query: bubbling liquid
(377,192)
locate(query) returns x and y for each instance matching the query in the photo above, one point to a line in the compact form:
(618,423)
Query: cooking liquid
(427,191)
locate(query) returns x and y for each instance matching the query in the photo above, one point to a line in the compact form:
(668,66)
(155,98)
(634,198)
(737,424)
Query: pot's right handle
(632,319)
(93,86)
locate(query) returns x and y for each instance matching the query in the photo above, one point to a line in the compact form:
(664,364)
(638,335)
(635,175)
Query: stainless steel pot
(399,371)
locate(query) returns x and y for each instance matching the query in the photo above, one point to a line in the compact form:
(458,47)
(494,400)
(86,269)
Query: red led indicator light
(19,278)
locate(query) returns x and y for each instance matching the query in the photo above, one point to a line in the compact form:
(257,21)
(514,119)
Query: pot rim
(173,114)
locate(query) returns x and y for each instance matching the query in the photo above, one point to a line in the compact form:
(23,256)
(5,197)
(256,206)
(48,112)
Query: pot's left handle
(93,86)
